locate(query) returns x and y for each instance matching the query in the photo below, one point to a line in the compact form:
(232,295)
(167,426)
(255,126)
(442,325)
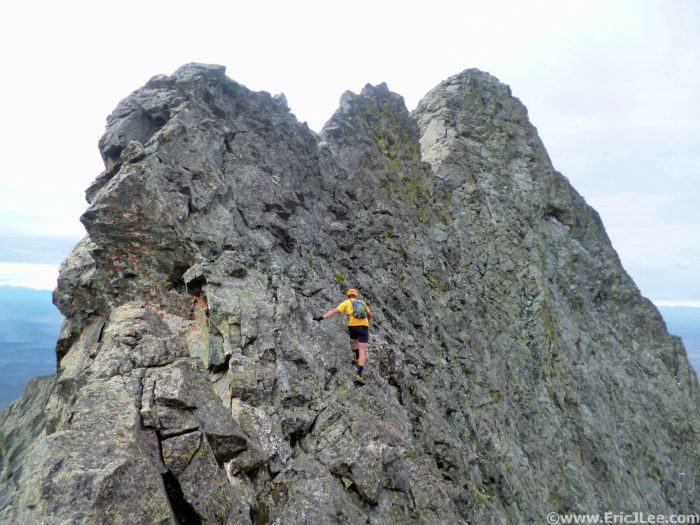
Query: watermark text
(622,518)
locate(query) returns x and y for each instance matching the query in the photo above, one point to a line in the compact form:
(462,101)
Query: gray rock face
(514,368)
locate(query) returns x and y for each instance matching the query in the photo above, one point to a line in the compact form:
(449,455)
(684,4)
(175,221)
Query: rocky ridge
(514,367)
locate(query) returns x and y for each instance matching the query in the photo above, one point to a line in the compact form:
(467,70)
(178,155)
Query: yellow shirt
(346,308)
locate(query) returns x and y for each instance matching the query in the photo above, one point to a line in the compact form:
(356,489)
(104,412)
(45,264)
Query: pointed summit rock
(583,354)
(514,368)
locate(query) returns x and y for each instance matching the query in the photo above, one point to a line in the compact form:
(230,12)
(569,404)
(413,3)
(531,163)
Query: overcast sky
(612,87)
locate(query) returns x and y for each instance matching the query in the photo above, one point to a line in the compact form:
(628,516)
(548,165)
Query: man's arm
(329,313)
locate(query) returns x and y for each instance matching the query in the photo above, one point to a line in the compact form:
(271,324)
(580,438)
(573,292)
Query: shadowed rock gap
(184,512)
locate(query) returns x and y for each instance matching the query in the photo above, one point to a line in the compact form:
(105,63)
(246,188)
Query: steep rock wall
(514,367)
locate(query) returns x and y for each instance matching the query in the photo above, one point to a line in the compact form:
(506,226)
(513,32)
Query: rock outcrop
(514,367)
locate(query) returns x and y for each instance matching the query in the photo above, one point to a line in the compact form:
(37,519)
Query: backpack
(359,310)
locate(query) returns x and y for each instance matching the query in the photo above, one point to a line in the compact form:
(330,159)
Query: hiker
(359,316)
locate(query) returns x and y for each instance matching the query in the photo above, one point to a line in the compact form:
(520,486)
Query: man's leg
(362,340)
(362,357)
(353,343)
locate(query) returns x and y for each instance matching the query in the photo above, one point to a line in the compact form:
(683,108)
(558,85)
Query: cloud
(690,304)
(35,249)
(37,276)
(657,239)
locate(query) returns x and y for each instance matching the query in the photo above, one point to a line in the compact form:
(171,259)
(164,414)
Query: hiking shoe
(359,380)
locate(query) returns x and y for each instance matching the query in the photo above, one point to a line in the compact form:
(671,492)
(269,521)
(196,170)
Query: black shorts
(361,333)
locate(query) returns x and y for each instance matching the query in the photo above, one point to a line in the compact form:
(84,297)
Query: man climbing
(359,316)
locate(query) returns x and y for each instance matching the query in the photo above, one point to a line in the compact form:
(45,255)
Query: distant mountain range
(29,327)
(30,323)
